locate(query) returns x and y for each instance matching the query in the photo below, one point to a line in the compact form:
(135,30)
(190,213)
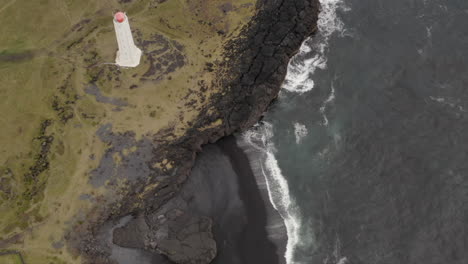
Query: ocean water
(365,153)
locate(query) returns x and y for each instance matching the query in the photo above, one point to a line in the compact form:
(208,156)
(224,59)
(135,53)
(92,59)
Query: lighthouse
(128,54)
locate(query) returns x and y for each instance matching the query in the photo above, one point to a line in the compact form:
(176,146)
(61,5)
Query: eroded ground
(75,128)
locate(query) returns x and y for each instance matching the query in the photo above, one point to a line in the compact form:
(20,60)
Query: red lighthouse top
(119,17)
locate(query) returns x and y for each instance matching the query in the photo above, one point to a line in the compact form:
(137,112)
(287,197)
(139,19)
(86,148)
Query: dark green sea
(365,152)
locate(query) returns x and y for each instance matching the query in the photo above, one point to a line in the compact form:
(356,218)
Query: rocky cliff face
(249,79)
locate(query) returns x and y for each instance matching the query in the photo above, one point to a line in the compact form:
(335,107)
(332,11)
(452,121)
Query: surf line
(311,56)
(313,53)
(260,139)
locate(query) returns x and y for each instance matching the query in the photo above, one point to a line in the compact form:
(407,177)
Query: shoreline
(254,243)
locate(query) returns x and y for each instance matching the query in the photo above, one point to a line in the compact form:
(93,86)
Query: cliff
(105,142)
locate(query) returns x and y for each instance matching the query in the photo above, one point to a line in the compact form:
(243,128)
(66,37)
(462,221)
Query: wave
(300,131)
(329,100)
(260,138)
(312,54)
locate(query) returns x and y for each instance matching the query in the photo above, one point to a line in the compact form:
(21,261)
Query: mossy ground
(50,51)
(10,259)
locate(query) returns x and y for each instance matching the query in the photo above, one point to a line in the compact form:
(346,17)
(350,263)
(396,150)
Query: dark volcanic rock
(182,236)
(131,235)
(258,74)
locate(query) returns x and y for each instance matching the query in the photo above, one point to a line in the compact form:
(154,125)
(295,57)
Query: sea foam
(313,53)
(260,138)
(311,56)
(300,131)
(329,100)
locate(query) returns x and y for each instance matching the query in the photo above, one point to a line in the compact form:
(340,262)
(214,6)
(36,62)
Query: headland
(86,143)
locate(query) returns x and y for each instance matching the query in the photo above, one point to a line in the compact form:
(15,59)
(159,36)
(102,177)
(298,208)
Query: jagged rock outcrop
(173,231)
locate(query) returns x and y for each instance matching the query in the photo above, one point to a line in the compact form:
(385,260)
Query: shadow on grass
(12,253)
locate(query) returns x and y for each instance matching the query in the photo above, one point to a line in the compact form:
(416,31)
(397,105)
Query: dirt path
(13,252)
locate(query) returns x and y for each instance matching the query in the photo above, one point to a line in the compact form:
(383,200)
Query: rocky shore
(249,79)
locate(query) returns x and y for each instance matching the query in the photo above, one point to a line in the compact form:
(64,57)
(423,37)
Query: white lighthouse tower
(128,54)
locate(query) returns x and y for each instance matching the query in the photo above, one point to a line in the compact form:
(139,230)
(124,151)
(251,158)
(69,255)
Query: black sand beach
(254,246)
(223,187)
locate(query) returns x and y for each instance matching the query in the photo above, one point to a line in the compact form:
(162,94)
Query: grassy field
(10,259)
(50,51)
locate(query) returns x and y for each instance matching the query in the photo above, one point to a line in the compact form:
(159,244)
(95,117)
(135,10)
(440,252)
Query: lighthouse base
(129,61)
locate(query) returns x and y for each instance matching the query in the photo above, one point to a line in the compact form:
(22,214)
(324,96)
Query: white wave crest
(300,131)
(305,62)
(343,260)
(260,138)
(327,101)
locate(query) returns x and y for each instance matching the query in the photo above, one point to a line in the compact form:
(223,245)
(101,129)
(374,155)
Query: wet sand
(254,245)
(222,186)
